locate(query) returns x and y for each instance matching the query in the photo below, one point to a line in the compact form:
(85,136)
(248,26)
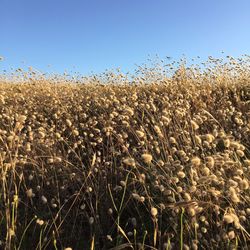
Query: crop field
(153,162)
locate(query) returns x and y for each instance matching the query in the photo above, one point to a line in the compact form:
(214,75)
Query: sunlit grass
(106,161)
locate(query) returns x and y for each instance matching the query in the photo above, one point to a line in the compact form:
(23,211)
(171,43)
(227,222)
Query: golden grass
(156,163)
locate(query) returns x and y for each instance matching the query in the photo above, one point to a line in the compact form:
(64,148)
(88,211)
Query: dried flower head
(129,161)
(147,158)
(154,211)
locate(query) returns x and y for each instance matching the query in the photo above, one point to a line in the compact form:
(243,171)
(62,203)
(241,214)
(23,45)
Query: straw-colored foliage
(160,162)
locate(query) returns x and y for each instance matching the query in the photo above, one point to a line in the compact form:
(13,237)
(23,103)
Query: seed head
(206,171)
(231,235)
(244,184)
(226,143)
(209,138)
(194,125)
(210,161)
(248,211)
(109,237)
(29,193)
(240,153)
(44,199)
(147,158)
(172,140)
(187,197)
(233,195)
(91,220)
(110,211)
(154,211)
(39,222)
(181,174)
(191,211)
(129,111)
(75,132)
(68,122)
(129,162)
(41,134)
(196,161)
(198,139)
(228,218)
(140,134)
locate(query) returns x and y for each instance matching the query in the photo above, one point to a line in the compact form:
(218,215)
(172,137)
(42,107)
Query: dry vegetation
(157,163)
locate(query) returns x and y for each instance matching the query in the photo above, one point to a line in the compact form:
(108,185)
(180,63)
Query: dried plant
(156,160)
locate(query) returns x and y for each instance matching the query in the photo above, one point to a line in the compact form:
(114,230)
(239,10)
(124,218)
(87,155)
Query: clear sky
(94,35)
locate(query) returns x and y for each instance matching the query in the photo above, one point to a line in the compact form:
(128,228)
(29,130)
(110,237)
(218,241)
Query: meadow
(107,162)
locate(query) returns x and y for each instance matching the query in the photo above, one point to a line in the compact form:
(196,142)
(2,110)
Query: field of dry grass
(150,164)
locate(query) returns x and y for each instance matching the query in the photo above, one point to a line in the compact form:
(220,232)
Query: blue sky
(94,35)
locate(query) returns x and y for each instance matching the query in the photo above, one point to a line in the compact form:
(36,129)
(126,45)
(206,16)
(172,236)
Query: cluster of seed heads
(90,155)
